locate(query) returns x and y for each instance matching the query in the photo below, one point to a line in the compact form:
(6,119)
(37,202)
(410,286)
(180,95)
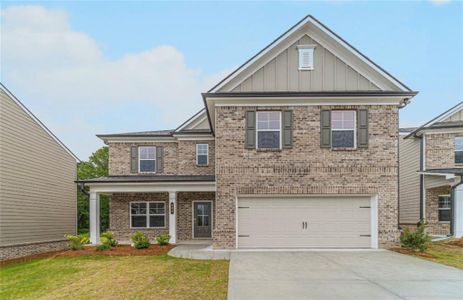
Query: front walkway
(377,274)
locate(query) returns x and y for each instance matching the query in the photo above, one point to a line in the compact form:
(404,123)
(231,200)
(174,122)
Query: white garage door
(341,222)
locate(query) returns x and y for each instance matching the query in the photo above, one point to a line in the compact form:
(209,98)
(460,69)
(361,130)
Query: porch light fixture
(172,208)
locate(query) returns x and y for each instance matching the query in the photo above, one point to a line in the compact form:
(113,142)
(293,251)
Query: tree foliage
(96,166)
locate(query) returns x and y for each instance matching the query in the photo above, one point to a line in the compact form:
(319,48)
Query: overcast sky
(103,67)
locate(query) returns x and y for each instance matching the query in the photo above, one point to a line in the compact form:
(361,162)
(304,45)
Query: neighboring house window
(147,215)
(306,53)
(202,154)
(147,159)
(343,129)
(444,208)
(268,129)
(459,150)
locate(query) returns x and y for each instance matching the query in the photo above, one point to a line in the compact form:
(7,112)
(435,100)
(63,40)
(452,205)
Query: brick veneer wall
(187,158)
(185,212)
(432,210)
(306,168)
(119,215)
(16,251)
(440,150)
(119,158)
(179,158)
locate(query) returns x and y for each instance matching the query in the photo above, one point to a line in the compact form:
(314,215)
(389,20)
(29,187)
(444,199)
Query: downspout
(452,205)
(421,180)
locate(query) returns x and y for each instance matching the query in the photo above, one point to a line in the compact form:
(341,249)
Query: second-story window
(459,150)
(147,159)
(343,129)
(202,154)
(268,129)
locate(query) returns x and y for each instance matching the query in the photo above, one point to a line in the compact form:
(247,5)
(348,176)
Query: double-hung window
(147,215)
(445,208)
(459,150)
(343,133)
(147,159)
(202,154)
(268,129)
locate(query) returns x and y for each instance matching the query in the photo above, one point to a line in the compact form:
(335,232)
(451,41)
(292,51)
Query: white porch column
(458,212)
(94,218)
(173,217)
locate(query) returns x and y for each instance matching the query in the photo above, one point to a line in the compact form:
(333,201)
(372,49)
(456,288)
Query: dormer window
(306,53)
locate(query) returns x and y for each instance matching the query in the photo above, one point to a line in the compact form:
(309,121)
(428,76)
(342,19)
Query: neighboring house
(38,203)
(298,147)
(431,166)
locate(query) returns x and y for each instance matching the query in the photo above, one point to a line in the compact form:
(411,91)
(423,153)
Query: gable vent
(306,53)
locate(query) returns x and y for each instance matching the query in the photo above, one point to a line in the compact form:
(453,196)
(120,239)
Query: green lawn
(111,277)
(447,252)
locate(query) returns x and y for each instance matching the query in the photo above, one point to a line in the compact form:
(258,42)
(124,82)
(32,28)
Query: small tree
(416,240)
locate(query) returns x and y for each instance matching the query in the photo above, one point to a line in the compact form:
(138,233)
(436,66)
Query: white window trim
(438,208)
(355,130)
(139,159)
(207,155)
(455,149)
(306,48)
(269,130)
(148,215)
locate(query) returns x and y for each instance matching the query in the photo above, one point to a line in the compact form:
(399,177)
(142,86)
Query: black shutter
(325,129)
(287,129)
(159,159)
(362,128)
(250,139)
(134,159)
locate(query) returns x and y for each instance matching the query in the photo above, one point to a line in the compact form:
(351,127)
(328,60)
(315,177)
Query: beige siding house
(37,189)
(431,166)
(297,148)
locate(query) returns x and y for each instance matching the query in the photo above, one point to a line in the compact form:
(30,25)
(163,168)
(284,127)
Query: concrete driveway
(340,275)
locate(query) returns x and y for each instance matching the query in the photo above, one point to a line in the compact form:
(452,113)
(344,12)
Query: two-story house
(431,166)
(296,148)
(38,195)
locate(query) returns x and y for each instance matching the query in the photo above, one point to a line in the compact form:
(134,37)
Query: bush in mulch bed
(409,251)
(120,250)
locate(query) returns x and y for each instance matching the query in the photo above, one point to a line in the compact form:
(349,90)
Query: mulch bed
(119,250)
(458,242)
(411,252)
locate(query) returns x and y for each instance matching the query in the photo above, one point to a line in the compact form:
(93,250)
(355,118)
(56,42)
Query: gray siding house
(297,148)
(431,168)
(37,189)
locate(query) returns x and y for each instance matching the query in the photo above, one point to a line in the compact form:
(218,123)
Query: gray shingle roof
(148,178)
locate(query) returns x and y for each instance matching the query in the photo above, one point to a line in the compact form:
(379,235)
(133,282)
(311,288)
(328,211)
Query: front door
(202,220)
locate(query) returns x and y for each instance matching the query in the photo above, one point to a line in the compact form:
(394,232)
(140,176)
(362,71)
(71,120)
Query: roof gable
(331,49)
(198,122)
(16,101)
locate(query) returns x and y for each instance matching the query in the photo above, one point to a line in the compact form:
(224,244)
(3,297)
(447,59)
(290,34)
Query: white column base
(458,212)
(94,218)
(173,217)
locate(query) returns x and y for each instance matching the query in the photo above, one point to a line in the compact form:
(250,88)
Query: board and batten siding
(456,117)
(409,180)
(282,73)
(37,189)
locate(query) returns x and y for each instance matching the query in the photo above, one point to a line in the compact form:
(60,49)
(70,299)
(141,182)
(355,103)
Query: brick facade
(179,158)
(16,251)
(119,215)
(119,218)
(185,212)
(306,168)
(432,210)
(440,149)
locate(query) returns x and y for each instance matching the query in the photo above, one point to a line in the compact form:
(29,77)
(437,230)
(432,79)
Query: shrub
(140,240)
(416,240)
(109,238)
(77,242)
(103,246)
(163,239)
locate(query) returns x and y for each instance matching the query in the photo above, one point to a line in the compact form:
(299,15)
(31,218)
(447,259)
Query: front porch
(181,206)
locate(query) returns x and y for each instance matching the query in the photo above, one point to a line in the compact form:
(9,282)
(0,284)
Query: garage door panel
(278,222)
